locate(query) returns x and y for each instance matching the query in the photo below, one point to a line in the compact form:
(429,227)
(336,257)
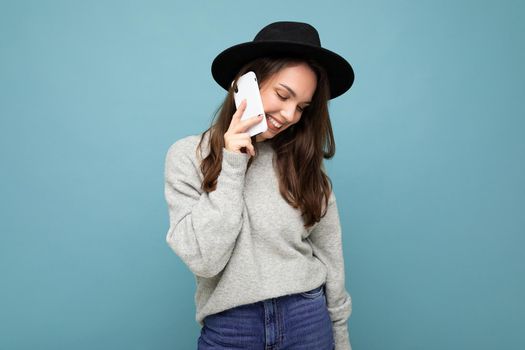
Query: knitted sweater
(243,242)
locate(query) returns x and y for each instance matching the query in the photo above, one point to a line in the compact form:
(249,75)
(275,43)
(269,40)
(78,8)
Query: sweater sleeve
(203,226)
(327,246)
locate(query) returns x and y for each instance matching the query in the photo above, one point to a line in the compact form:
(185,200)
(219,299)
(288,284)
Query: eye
(281,97)
(285,98)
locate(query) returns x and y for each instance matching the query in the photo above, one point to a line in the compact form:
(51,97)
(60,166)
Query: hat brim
(228,63)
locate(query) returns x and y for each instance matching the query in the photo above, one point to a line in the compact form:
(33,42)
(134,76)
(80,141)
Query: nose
(288,112)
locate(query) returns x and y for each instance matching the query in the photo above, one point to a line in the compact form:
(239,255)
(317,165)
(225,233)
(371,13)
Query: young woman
(255,218)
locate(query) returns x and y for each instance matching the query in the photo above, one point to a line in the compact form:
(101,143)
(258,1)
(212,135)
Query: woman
(255,218)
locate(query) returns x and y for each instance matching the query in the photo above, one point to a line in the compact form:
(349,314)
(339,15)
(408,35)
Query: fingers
(242,141)
(251,150)
(237,125)
(244,125)
(242,107)
(236,138)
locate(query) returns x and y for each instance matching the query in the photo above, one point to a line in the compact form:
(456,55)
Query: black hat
(284,39)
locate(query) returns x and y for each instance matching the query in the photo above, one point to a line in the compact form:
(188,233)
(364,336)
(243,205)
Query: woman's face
(284,95)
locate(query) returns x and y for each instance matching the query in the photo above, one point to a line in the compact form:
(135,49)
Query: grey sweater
(243,242)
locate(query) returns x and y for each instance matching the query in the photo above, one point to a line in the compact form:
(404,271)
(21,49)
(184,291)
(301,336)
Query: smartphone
(248,88)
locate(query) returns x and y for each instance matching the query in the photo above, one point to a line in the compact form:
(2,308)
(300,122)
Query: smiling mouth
(274,122)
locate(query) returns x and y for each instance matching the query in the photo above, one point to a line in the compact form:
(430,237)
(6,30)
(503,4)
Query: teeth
(275,123)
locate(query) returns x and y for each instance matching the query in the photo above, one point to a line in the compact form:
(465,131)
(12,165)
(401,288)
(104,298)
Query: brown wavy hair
(300,149)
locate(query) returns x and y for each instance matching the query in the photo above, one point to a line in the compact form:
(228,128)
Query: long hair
(300,149)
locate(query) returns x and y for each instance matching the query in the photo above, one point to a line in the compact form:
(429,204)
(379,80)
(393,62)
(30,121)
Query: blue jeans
(291,322)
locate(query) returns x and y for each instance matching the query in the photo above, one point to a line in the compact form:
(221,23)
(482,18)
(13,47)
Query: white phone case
(248,88)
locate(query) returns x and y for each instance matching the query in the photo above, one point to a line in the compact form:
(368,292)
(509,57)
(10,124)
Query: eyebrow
(292,92)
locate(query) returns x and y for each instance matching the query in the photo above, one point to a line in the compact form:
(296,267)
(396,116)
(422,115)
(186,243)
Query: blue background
(429,171)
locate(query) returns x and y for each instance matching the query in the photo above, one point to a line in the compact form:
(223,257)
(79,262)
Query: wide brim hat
(284,38)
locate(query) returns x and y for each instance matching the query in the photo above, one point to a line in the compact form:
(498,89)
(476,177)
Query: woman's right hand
(236,138)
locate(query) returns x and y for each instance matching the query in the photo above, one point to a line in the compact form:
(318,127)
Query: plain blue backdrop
(429,170)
